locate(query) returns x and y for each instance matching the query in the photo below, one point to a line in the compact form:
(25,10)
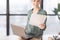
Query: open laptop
(17,30)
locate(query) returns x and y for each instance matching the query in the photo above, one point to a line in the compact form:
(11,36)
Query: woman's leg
(36,39)
(27,37)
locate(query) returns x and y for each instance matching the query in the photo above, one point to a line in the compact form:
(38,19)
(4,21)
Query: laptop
(17,30)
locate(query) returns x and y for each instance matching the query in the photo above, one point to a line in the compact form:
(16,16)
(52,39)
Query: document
(37,19)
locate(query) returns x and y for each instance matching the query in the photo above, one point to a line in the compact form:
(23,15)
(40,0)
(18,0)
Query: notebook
(37,19)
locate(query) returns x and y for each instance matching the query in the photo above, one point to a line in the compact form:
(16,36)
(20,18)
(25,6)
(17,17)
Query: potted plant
(57,11)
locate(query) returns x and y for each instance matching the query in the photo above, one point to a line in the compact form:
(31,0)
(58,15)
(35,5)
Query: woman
(39,30)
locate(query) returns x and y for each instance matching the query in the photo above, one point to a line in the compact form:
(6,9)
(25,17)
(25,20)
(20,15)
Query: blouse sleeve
(28,17)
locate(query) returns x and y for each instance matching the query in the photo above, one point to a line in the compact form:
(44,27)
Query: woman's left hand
(42,26)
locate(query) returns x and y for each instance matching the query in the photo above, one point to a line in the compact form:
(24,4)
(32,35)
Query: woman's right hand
(42,26)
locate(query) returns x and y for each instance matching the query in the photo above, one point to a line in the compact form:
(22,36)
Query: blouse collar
(38,10)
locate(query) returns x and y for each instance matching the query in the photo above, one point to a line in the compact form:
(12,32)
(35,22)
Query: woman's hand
(42,26)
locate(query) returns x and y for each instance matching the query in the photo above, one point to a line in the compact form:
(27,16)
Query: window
(2,6)
(49,5)
(3,18)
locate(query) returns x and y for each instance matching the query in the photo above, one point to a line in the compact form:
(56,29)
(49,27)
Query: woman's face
(36,2)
